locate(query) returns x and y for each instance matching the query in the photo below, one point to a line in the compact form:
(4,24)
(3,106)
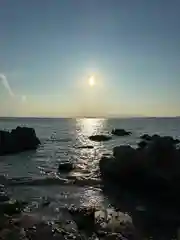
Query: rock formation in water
(154,167)
(120,132)
(65,167)
(18,140)
(99,138)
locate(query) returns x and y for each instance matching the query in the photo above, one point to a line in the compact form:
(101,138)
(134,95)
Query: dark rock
(65,167)
(18,140)
(88,147)
(152,169)
(161,147)
(43,231)
(154,137)
(3,197)
(172,140)
(46,202)
(100,138)
(108,167)
(146,137)
(10,208)
(84,218)
(176,141)
(142,144)
(120,132)
(122,165)
(124,152)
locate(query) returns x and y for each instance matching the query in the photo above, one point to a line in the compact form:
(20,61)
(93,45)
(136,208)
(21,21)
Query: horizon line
(88,117)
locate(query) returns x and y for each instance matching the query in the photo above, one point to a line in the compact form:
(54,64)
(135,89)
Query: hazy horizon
(91,117)
(109,58)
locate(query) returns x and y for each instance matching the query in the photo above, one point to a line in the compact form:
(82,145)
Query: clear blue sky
(49,49)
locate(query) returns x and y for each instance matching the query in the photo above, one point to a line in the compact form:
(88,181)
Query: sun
(91,81)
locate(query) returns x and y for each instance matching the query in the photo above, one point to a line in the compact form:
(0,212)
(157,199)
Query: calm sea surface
(60,140)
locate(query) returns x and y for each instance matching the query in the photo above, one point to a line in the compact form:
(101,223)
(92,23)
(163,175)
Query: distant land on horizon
(90,117)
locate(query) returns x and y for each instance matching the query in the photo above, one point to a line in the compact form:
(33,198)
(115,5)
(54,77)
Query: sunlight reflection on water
(87,158)
(89,126)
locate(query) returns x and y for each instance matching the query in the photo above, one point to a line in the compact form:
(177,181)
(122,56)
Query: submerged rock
(86,147)
(18,140)
(100,138)
(65,167)
(120,132)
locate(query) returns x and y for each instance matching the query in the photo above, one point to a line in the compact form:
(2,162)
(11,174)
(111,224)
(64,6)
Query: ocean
(60,141)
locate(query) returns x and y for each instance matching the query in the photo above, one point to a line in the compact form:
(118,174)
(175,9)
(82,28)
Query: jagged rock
(122,164)
(120,132)
(124,151)
(142,144)
(153,167)
(18,140)
(100,138)
(146,137)
(65,167)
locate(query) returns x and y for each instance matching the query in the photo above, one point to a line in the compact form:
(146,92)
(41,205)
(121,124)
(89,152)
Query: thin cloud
(5,83)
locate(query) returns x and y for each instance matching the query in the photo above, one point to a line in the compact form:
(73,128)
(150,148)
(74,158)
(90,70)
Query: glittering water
(61,139)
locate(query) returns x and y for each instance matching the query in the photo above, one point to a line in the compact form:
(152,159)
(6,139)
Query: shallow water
(61,139)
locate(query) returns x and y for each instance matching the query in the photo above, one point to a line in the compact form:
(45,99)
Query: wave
(71,180)
(58,140)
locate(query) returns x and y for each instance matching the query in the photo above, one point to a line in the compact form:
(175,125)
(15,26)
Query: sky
(50,48)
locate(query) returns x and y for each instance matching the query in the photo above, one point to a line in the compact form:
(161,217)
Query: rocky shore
(150,176)
(17,222)
(150,172)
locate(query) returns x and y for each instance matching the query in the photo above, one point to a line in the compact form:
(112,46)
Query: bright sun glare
(91,81)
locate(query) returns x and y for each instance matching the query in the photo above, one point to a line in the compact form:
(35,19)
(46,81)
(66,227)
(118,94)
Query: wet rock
(142,144)
(84,218)
(124,152)
(12,207)
(4,197)
(115,222)
(65,167)
(171,139)
(86,147)
(100,138)
(120,132)
(18,140)
(161,147)
(146,137)
(154,167)
(43,231)
(108,167)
